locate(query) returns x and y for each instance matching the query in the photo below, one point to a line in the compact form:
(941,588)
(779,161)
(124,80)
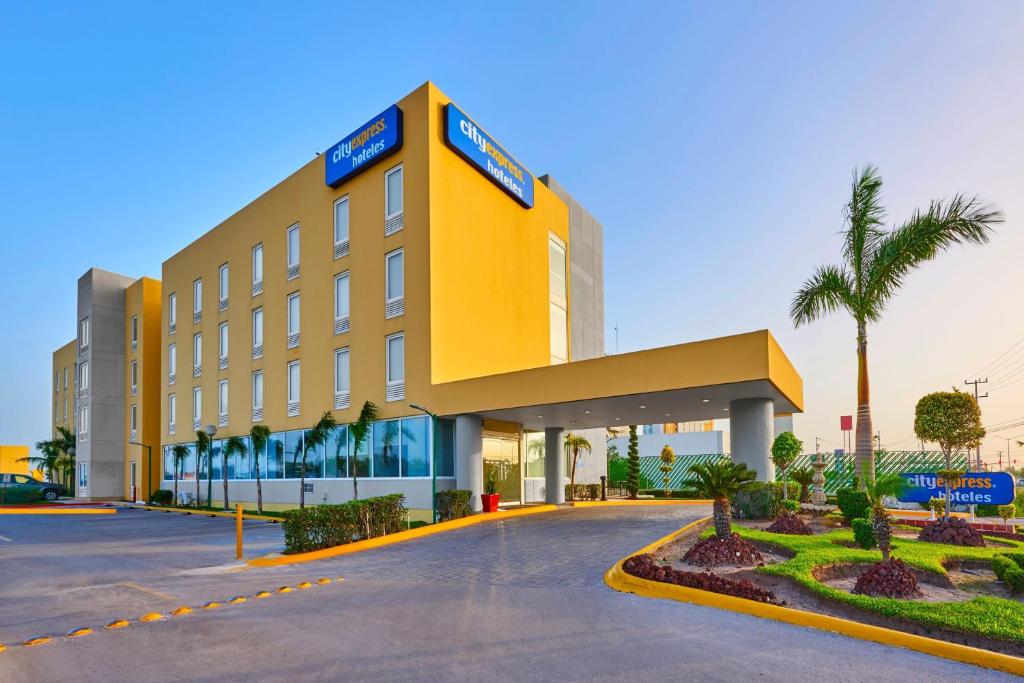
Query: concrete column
(554,466)
(752,428)
(469,457)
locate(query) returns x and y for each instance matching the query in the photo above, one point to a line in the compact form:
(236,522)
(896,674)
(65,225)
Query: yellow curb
(921,514)
(324,581)
(399,537)
(304,585)
(617,578)
(284,589)
(645,502)
(211,605)
(58,511)
(181,611)
(119,623)
(76,632)
(237,600)
(151,616)
(208,513)
(38,640)
(3,648)
(262,594)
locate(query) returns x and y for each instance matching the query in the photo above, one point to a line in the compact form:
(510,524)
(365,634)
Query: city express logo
(375,140)
(478,148)
(988,488)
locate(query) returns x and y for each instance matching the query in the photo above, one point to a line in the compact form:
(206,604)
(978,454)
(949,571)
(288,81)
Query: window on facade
(135,331)
(65,410)
(534,454)
(83,375)
(394,283)
(257,264)
(395,367)
(336,453)
(257,328)
(172,360)
(393,192)
(197,350)
(132,421)
(83,333)
(293,246)
(385,448)
(222,397)
(83,475)
(341,221)
(83,420)
(222,283)
(65,379)
(197,296)
(222,341)
(415,447)
(56,381)
(134,374)
(257,390)
(172,409)
(558,304)
(197,403)
(341,296)
(341,372)
(293,314)
(293,382)
(172,310)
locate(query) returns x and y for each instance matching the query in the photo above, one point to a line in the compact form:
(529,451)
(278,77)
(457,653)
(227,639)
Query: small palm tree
(179,453)
(234,445)
(877,489)
(805,477)
(315,437)
(360,430)
(574,443)
(876,262)
(202,446)
(720,481)
(259,435)
(66,442)
(46,462)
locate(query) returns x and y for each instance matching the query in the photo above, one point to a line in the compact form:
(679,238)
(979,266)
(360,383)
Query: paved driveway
(522,599)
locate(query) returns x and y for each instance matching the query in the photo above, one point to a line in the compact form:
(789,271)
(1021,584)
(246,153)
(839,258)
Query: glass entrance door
(501,459)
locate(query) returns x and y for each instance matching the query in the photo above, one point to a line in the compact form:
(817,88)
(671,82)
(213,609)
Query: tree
(668,459)
(951,419)
(315,437)
(259,435)
(877,489)
(574,443)
(360,430)
(876,262)
(233,446)
(805,477)
(720,481)
(613,452)
(179,454)
(785,450)
(48,461)
(633,453)
(203,446)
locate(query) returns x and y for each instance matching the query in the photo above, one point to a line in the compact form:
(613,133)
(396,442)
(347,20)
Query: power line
(988,367)
(976,382)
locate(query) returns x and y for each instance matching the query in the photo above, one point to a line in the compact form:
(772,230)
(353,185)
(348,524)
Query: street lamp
(433,459)
(211,431)
(149,470)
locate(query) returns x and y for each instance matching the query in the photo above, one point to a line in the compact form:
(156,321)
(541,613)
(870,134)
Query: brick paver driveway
(522,599)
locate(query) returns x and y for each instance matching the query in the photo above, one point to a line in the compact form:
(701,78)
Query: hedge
(853,504)
(660,493)
(583,492)
(453,503)
(864,533)
(326,526)
(762,500)
(162,497)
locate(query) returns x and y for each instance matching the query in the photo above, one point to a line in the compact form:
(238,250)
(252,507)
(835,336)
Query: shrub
(761,500)
(805,477)
(453,503)
(791,505)
(937,505)
(1006,512)
(852,503)
(1000,563)
(659,493)
(325,526)
(583,491)
(645,567)
(162,497)
(864,533)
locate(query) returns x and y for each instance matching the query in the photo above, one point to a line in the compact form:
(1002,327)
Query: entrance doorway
(502,461)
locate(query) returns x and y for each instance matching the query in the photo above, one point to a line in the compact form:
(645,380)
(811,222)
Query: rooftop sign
(377,139)
(481,151)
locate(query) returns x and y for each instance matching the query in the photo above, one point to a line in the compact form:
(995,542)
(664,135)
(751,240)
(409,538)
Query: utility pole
(976,382)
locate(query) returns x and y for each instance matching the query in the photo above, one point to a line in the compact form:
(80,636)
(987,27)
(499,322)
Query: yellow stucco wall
(144,300)
(64,360)
(10,457)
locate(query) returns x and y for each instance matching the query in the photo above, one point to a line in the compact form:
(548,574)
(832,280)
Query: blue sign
(989,488)
(378,138)
(480,150)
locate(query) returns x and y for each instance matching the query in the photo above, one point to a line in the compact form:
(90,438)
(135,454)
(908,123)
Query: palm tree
(720,481)
(66,442)
(359,430)
(259,435)
(203,446)
(876,261)
(233,445)
(877,489)
(49,459)
(315,437)
(574,443)
(179,452)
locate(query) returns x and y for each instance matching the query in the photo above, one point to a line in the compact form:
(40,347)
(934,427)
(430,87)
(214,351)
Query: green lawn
(992,617)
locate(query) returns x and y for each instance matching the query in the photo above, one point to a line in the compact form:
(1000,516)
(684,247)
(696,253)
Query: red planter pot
(490,501)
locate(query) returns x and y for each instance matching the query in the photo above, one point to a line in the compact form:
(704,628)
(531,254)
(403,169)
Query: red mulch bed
(889,579)
(716,552)
(645,567)
(956,531)
(790,524)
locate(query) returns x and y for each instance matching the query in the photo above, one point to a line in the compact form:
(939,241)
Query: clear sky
(715,142)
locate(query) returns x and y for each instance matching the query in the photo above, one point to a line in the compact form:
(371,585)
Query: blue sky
(715,142)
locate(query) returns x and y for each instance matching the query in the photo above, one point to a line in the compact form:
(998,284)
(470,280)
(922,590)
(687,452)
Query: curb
(641,503)
(619,580)
(57,511)
(401,536)
(203,513)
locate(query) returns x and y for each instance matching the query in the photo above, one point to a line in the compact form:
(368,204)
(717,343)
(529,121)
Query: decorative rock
(715,552)
(956,531)
(889,579)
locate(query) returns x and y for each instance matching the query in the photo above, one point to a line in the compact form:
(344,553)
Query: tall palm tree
(574,443)
(875,263)
(720,481)
(315,437)
(202,446)
(234,445)
(66,442)
(877,489)
(179,453)
(360,430)
(259,435)
(46,462)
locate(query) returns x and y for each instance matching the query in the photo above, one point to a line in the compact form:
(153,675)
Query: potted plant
(489,498)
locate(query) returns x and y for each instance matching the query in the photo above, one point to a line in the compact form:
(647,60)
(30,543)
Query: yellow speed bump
(38,640)
(304,585)
(119,623)
(76,632)
(284,589)
(181,611)
(262,594)
(151,616)
(238,599)
(211,605)
(323,581)
(3,648)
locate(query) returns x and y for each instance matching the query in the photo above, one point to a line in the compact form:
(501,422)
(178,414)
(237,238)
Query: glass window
(257,390)
(361,458)
(197,403)
(65,379)
(293,313)
(223,282)
(393,190)
(172,359)
(337,453)
(341,371)
(84,334)
(257,327)
(275,456)
(292,454)
(222,341)
(249,471)
(222,397)
(135,330)
(293,246)
(445,443)
(314,461)
(83,419)
(416,447)
(559,335)
(535,454)
(168,464)
(385,448)
(197,350)
(197,296)
(341,303)
(257,264)
(172,408)
(556,268)
(341,220)
(83,372)
(134,373)
(190,466)
(395,285)
(83,475)
(132,421)
(215,455)
(172,308)
(396,359)
(293,381)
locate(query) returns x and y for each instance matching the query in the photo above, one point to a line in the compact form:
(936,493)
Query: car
(21,488)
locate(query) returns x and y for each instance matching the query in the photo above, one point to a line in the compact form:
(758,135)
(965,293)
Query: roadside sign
(988,488)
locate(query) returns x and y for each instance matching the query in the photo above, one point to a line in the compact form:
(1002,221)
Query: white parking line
(5,539)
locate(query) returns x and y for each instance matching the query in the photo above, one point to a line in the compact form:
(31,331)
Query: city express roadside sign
(375,140)
(981,488)
(482,152)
